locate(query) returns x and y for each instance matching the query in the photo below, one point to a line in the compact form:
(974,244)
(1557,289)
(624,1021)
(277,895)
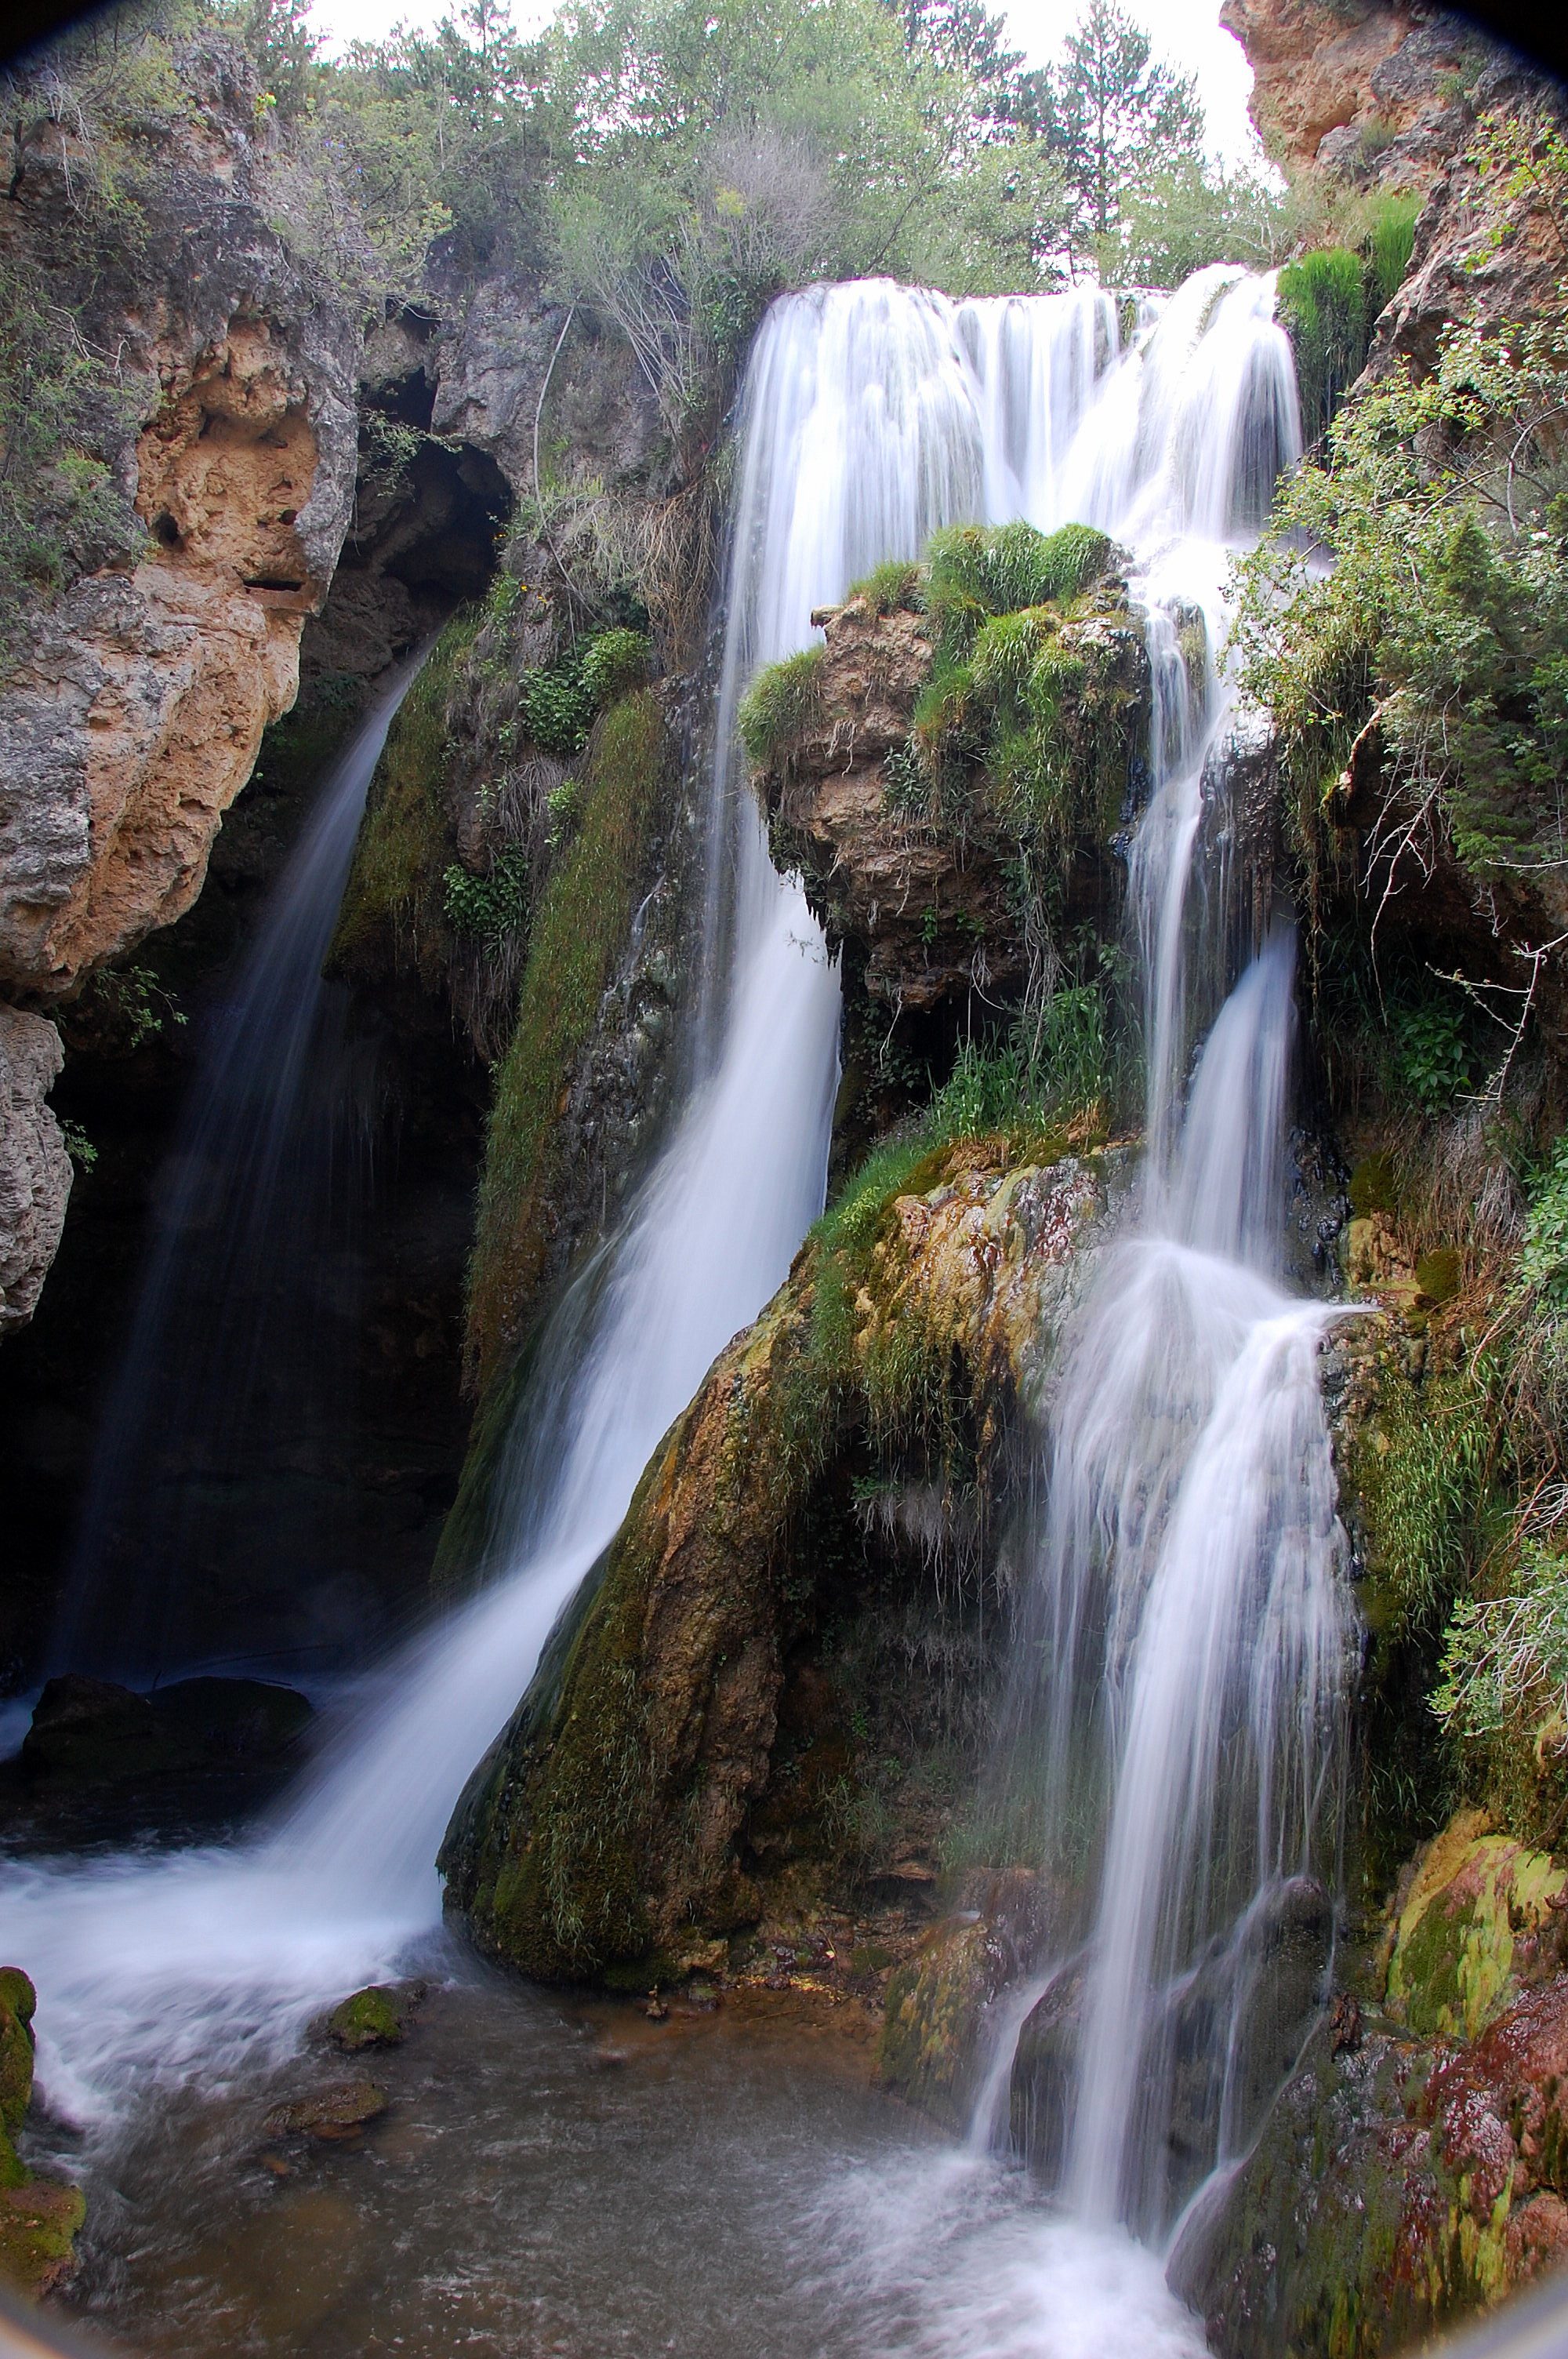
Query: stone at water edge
(377,2016)
(38,2217)
(338,2112)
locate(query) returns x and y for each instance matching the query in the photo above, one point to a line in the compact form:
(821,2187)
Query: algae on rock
(625,1813)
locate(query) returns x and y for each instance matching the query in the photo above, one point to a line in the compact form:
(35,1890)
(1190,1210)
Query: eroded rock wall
(35,1169)
(133,710)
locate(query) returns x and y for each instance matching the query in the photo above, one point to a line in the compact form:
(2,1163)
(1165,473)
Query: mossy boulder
(38,2216)
(1481,1915)
(38,2225)
(90,1732)
(377,2017)
(947,756)
(17,2002)
(1398,2184)
(625,1811)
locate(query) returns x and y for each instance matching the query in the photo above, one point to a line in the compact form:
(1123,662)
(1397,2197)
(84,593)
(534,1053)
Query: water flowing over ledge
(1180,1671)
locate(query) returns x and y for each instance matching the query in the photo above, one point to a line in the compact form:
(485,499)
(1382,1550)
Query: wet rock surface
(339,2112)
(39,2215)
(1413,2167)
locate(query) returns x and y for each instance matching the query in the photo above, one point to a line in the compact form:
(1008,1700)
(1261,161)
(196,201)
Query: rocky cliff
(135,695)
(133,705)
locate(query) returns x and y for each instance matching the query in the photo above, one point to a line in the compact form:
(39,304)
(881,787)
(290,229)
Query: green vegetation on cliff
(579,929)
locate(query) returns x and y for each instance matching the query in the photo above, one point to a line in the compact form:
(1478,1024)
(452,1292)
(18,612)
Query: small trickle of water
(253,1214)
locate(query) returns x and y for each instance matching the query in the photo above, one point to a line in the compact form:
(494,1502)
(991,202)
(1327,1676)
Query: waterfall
(1181,1657)
(250,1209)
(1176,1712)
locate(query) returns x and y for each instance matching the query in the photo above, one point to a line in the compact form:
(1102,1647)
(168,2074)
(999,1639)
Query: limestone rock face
(493,360)
(1328,72)
(132,716)
(35,1169)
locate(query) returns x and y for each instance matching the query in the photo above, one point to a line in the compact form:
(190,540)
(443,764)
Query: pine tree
(1114,117)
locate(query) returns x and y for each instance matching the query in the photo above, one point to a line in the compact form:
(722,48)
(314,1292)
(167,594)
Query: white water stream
(1187,1571)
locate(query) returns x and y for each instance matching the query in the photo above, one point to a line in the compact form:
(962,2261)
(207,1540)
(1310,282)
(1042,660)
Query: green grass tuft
(780,703)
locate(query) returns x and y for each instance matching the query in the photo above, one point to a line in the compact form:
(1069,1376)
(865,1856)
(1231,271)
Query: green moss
(1450,1968)
(579,930)
(1373,1187)
(780,703)
(1440,1274)
(392,904)
(374,2017)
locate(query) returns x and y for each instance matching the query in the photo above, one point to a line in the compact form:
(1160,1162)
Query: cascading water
(1176,1707)
(252,1215)
(1181,1668)
(862,431)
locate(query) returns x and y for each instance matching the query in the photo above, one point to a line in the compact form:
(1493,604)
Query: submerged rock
(339,2112)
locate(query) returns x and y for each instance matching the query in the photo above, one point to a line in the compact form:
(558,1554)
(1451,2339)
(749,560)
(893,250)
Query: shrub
(490,906)
(1544,1261)
(1504,1659)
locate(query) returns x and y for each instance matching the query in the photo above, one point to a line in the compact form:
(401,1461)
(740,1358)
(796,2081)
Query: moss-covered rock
(949,758)
(39,2224)
(931,2047)
(1479,1915)
(627,1806)
(377,2017)
(38,2216)
(17,2001)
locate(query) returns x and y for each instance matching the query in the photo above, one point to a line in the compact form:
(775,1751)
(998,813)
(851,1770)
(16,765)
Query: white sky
(1187,32)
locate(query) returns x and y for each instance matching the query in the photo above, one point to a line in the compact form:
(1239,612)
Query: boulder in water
(338,2112)
(377,2017)
(38,2217)
(91,1732)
